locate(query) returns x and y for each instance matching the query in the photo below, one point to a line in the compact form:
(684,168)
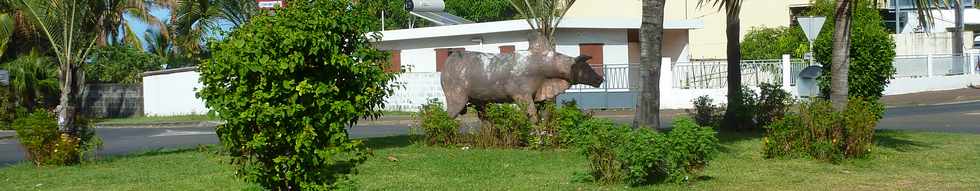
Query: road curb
(180,124)
(933,104)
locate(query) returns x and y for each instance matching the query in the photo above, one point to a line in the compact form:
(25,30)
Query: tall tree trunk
(735,104)
(958,28)
(67,109)
(651,42)
(841,54)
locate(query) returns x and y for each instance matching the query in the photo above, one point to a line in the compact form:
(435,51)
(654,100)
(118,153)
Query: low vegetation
(816,131)
(38,133)
(902,161)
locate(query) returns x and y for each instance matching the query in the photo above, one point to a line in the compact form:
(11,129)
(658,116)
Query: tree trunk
(958,29)
(735,104)
(651,41)
(841,54)
(67,109)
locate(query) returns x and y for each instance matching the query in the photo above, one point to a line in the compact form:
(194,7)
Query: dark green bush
(817,131)
(288,85)
(7,114)
(120,64)
(745,116)
(436,125)
(45,145)
(872,51)
(772,105)
(706,113)
(504,125)
(556,129)
(618,153)
(771,43)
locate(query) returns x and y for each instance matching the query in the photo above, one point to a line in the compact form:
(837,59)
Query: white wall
(415,89)
(172,94)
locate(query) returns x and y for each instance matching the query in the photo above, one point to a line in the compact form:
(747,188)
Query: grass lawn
(157,119)
(901,161)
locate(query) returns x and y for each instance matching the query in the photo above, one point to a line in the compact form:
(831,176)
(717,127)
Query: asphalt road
(957,118)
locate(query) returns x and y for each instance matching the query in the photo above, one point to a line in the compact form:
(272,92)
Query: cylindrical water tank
(425,5)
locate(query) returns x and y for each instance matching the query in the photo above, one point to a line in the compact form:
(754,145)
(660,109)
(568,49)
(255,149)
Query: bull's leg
(455,103)
(528,101)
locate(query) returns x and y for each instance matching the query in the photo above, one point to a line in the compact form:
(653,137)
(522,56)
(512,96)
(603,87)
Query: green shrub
(45,145)
(7,114)
(120,64)
(706,113)
(556,128)
(504,125)
(436,125)
(771,43)
(871,55)
(745,116)
(618,153)
(288,85)
(817,131)
(772,105)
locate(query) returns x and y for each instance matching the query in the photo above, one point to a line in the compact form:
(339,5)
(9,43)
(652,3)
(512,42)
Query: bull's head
(583,73)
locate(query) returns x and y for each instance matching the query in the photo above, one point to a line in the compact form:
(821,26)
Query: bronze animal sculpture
(475,78)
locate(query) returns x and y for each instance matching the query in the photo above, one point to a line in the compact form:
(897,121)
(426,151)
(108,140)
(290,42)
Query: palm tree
(842,41)
(6,31)
(111,17)
(194,20)
(543,16)
(64,24)
(651,39)
(33,79)
(732,9)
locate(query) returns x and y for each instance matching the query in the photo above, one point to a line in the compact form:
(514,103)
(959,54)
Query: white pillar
(666,75)
(787,67)
(929,65)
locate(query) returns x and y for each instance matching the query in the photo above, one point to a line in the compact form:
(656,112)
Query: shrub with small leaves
(773,103)
(505,125)
(817,131)
(706,113)
(436,125)
(288,85)
(555,129)
(45,145)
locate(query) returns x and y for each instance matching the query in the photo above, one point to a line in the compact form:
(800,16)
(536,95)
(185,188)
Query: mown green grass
(900,161)
(157,119)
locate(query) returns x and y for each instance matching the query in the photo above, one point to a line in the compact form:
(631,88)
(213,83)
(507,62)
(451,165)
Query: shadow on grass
(899,141)
(389,142)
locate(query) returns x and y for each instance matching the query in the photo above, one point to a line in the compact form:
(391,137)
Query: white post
(929,65)
(666,80)
(787,67)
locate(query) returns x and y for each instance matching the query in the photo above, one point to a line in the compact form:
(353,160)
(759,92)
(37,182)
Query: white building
(613,43)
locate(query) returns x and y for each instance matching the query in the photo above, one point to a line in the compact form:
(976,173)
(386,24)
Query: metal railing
(919,66)
(618,77)
(713,74)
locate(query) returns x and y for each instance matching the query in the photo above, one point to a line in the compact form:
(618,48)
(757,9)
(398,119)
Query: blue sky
(163,15)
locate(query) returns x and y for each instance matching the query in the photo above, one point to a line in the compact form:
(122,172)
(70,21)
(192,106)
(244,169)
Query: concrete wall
(172,94)
(928,43)
(112,100)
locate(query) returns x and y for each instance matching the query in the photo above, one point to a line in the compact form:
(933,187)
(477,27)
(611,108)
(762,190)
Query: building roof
(520,25)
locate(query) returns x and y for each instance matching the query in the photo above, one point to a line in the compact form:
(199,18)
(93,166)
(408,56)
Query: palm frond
(6,31)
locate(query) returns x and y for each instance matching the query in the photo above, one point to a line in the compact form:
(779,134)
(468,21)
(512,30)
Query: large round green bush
(771,43)
(288,84)
(872,51)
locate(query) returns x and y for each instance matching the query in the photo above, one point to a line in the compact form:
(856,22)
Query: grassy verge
(158,119)
(901,161)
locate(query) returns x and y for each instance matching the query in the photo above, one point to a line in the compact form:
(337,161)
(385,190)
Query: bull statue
(478,79)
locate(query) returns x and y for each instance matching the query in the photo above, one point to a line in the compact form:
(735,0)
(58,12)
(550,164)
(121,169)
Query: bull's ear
(582,58)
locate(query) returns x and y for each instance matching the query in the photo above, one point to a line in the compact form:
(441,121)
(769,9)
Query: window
(395,61)
(594,50)
(507,49)
(442,54)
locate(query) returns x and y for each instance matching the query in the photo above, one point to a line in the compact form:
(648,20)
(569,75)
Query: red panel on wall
(594,50)
(442,54)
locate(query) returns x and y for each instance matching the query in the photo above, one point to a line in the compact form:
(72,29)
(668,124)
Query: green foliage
(33,81)
(289,84)
(557,128)
(772,43)
(505,125)
(772,105)
(817,131)
(436,125)
(7,113)
(618,153)
(706,113)
(120,64)
(872,51)
(745,115)
(482,11)
(45,145)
